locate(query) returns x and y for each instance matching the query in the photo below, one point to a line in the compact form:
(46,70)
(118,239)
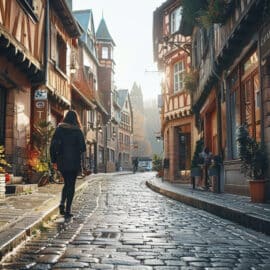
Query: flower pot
(35,177)
(257,190)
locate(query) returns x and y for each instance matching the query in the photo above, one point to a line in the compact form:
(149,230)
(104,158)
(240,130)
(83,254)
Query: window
(245,104)
(61,54)
(105,52)
(91,117)
(58,49)
(175,19)
(234,110)
(179,76)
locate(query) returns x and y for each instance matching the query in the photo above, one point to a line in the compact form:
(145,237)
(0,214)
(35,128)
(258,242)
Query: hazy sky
(130,25)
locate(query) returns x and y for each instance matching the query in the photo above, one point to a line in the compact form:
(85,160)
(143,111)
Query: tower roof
(103,33)
(122,96)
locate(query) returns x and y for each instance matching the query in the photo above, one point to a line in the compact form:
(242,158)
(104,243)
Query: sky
(130,25)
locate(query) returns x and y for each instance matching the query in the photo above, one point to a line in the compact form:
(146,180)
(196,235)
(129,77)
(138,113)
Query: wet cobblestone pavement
(120,224)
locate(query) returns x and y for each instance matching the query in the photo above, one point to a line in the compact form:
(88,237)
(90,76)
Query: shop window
(245,101)
(179,76)
(175,19)
(101,155)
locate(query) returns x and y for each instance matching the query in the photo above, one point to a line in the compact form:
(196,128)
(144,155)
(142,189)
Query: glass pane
(235,120)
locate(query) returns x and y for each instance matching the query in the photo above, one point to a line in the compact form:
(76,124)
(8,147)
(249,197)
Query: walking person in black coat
(66,149)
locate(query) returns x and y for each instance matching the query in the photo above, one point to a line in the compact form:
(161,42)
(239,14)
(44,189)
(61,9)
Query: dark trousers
(68,189)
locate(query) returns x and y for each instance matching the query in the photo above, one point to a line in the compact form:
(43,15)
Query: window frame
(175,19)
(104,55)
(179,74)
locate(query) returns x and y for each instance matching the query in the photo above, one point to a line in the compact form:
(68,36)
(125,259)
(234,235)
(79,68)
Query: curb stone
(249,220)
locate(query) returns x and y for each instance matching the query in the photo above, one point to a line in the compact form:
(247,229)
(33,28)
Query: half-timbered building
(22,72)
(171,53)
(125,130)
(231,53)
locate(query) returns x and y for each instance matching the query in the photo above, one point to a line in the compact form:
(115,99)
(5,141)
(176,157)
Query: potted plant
(3,165)
(39,158)
(254,163)
(157,165)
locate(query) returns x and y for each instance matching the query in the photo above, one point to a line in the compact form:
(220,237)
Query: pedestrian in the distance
(66,149)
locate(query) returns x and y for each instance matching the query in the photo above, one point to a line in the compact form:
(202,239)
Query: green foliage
(3,163)
(214,13)
(41,136)
(157,162)
(205,12)
(191,80)
(192,9)
(251,153)
(197,159)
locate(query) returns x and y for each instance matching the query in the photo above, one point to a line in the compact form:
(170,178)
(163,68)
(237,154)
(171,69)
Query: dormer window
(175,19)
(105,53)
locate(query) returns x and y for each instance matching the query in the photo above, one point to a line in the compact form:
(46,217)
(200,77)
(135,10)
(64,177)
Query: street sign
(41,94)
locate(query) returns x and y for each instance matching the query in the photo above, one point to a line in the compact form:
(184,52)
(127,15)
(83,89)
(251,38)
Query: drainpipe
(46,44)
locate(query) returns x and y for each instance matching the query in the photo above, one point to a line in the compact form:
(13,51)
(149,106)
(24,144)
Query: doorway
(184,151)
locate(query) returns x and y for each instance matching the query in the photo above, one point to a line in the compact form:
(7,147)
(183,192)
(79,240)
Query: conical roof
(103,32)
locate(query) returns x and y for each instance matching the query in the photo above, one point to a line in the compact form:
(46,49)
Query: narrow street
(120,224)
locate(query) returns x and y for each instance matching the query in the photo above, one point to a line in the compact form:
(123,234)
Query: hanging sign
(41,94)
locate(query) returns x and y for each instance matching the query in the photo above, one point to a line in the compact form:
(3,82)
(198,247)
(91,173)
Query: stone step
(16,189)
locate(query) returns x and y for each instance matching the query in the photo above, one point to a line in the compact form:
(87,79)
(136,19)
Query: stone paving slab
(236,208)
(21,214)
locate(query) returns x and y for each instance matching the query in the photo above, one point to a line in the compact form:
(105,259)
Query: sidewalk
(21,214)
(236,208)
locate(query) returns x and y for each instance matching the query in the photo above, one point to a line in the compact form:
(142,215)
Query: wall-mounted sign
(40,104)
(41,94)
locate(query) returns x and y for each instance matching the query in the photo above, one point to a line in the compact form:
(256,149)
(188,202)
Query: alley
(120,224)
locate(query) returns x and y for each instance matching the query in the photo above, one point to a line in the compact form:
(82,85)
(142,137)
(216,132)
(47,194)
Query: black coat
(66,147)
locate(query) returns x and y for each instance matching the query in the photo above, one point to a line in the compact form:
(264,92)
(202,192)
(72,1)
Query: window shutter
(53,42)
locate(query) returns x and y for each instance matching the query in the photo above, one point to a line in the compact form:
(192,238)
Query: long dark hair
(72,118)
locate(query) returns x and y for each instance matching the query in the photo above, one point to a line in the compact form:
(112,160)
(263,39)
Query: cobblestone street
(120,224)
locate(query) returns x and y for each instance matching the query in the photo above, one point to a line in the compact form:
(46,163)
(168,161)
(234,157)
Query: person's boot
(62,210)
(68,215)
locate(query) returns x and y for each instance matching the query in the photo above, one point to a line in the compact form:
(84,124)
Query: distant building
(106,139)
(141,146)
(125,130)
